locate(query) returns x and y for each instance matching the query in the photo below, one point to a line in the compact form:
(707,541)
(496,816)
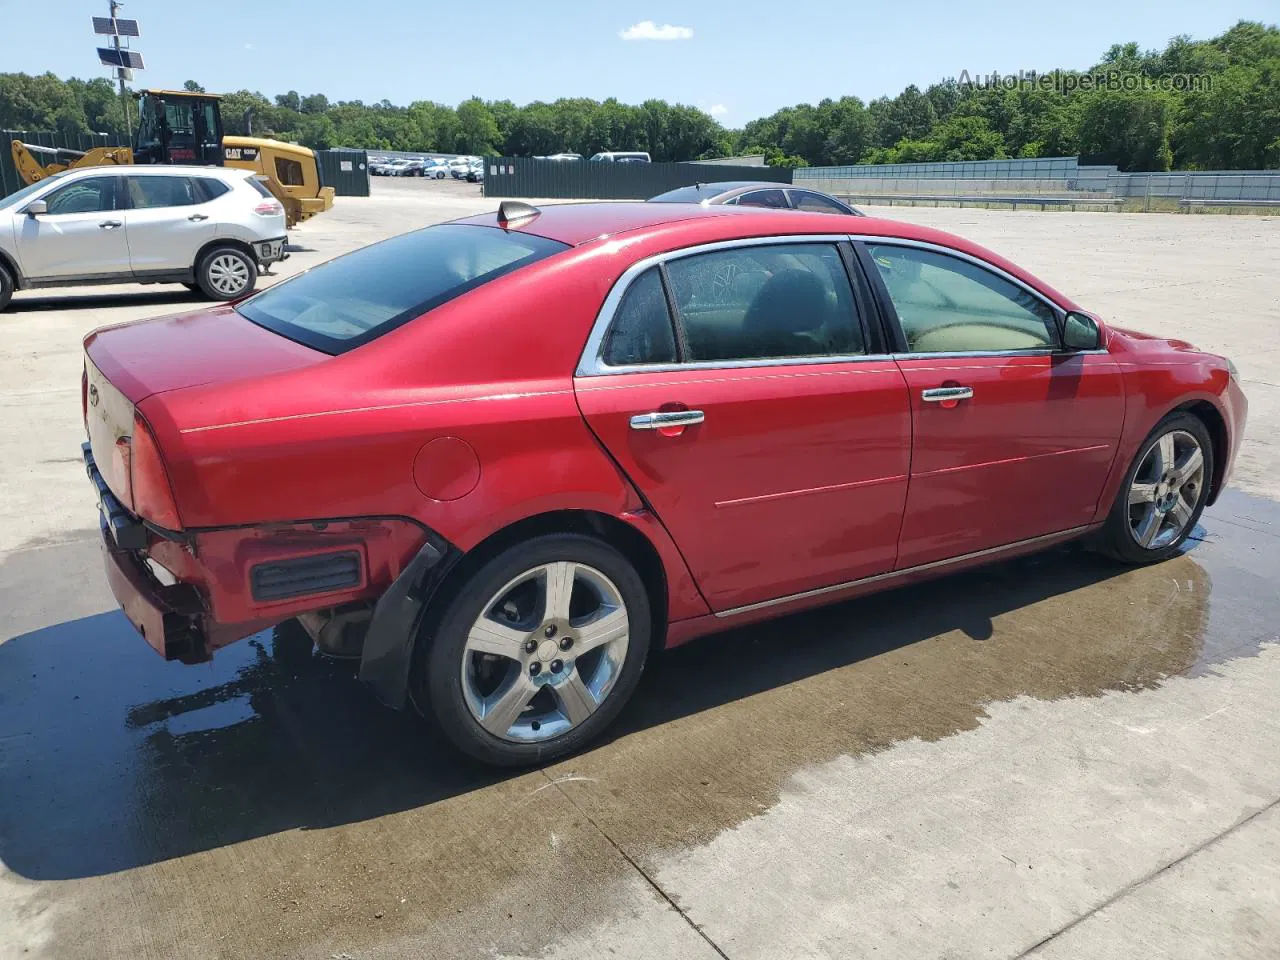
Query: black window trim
(892,326)
(591,362)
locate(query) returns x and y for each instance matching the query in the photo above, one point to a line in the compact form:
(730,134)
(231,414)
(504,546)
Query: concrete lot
(1054,757)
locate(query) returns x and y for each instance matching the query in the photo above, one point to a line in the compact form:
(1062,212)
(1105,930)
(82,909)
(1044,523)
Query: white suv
(206,227)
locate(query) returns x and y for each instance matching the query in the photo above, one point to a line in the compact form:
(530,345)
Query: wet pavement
(264,805)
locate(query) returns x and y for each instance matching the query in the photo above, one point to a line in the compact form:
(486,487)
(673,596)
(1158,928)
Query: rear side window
(766,302)
(211,188)
(257,185)
(804,200)
(641,330)
(149,192)
(356,298)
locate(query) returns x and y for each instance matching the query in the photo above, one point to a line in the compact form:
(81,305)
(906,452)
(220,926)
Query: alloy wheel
(1165,490)
(545,652)
(228,274)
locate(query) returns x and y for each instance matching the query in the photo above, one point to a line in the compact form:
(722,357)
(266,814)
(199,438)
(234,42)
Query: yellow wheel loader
(180,127)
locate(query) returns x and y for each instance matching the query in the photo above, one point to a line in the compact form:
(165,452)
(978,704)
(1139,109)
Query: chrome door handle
(110,224)
(666,418)
(940,394)
(198,217)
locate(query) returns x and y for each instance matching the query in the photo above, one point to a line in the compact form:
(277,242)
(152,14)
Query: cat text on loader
(180,127)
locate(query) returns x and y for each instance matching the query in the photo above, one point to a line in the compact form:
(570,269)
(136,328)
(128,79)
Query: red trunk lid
(126,364)
(170,353)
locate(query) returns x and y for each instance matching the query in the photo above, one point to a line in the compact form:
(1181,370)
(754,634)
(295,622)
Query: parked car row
(433,168)
(460,167)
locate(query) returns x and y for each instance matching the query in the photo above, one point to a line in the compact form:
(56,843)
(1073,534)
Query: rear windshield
(356,298)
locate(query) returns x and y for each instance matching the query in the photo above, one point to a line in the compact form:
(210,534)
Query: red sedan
(504,459)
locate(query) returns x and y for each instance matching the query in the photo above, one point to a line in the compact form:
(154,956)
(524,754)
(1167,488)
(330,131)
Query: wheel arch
(629,541)
(216,242)
(11,267)
(413,608)
(1216,424)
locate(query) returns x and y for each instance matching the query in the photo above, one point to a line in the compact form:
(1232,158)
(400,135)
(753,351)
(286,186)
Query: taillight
(84,396)
(268,208)
(152,495)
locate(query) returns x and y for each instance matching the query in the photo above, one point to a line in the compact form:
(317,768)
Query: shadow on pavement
(112,759)
(167,294)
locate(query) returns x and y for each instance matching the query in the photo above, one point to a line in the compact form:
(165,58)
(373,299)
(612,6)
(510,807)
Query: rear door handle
(198,217)
(943,394)
(666,418)
(110,224)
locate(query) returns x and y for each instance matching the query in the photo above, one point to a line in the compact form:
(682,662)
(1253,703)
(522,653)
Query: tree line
(1224,114)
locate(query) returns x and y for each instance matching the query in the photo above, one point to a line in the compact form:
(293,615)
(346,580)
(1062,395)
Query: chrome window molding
(591,363)
(1058,312)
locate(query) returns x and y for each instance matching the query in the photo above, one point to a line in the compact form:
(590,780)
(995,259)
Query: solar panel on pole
(130,59)
(111,27)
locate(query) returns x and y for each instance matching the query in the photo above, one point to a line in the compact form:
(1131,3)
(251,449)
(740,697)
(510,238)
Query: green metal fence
(9,179)
(584,179)
(347,171)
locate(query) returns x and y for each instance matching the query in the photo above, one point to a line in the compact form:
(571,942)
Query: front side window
(641,331)
(766,302)
(91,195)
(355,298)
(949,305)
(147,193)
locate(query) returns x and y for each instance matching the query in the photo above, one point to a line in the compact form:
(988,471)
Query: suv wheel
(7,283)
(225,273)
(538,652)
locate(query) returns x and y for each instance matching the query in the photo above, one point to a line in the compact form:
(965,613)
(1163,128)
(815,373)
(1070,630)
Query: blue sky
(738,59)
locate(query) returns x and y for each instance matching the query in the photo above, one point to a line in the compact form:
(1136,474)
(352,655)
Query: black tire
(1117,538)
(7,284)
(437,682)
(216,265)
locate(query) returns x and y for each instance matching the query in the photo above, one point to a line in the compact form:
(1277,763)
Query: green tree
(1129,129)
(477,130)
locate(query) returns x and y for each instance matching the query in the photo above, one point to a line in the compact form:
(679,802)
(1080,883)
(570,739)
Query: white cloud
(717,110)
(648,30)
(248,46)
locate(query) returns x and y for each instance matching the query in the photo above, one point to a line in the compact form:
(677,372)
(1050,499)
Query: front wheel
(1163,493)
(225,273)
(7,283)
(538,651)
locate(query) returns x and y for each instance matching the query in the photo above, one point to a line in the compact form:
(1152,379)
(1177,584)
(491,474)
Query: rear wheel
(1163,493)
(7,283)
(538,652)
(225,273)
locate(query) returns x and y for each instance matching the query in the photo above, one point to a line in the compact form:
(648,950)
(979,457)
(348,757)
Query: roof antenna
(510,211)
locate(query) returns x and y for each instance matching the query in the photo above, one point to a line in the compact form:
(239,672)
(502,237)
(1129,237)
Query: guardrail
(1041,202)
(1202,202)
